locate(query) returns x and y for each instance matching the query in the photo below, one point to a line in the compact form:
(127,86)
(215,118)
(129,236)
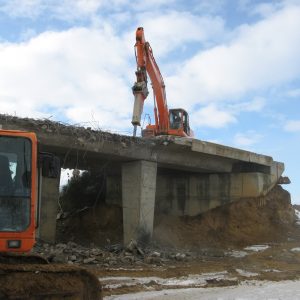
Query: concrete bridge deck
(72,142)
(197,175)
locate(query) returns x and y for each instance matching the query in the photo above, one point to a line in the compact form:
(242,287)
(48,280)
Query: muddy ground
(272,261)
(253,239)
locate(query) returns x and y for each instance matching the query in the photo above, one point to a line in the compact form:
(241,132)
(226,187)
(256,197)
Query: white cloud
(212,6)
(258,57)
(80,72)
(60,9)
(70,10)
(294,93)
(165,32)
(24,8)
(255,105)
(75,9)
(266,9)
(247,139)
(211,116)
(292,126)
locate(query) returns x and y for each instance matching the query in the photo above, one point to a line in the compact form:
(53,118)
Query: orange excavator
(167,122)
(23,275)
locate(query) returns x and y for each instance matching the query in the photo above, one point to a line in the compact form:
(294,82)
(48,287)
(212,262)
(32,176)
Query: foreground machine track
(36,281)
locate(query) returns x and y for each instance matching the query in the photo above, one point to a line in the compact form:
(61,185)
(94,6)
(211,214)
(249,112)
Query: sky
(234,65)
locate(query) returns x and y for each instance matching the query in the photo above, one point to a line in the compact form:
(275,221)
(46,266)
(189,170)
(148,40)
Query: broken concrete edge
(57,127)
(91,135)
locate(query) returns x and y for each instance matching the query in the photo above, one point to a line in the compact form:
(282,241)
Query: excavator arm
(167,122)
(146,64)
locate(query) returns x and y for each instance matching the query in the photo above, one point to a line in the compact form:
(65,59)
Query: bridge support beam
(138,200)
(49,194)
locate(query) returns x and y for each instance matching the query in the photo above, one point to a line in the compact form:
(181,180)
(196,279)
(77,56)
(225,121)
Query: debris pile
(111,255)
(92,132)
(238,224)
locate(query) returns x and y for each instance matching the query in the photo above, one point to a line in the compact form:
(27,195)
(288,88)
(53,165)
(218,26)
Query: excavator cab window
(15,183)
(179,119)
(175,116)
(185,122)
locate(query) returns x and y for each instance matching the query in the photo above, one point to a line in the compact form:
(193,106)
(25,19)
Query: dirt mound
(99,225)
(249,221)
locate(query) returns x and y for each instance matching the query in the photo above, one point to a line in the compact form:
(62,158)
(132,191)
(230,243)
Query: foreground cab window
(15,183)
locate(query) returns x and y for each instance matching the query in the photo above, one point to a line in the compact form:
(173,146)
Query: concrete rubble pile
(114,255)
(82,133)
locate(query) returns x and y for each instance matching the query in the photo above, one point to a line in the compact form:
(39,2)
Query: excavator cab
(29,276)
(17,191)
(179,122)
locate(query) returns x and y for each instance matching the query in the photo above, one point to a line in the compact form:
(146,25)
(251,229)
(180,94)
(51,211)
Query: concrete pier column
(138,200)
(49,195)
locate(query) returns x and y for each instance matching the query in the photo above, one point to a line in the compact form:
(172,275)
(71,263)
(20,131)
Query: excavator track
(47,281)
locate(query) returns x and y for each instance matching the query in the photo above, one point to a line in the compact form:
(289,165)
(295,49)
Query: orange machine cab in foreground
(29,276)
(167,122)
(18,190)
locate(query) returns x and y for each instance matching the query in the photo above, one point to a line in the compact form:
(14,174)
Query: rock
(96,252)
(140,251)
(127,259)
(131,246)
(112,262)
(61,246)
(72,245)
(152,260)
(72,257)
(155,254)
(60,258)
(180,256)
(89,260)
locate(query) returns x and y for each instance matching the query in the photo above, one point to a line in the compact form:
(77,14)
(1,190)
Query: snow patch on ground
(248,290)
(126,269)
(116,282)
(257,248)
(184,281)
(236,253)
(297,249)
(246,273)
(272,270)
